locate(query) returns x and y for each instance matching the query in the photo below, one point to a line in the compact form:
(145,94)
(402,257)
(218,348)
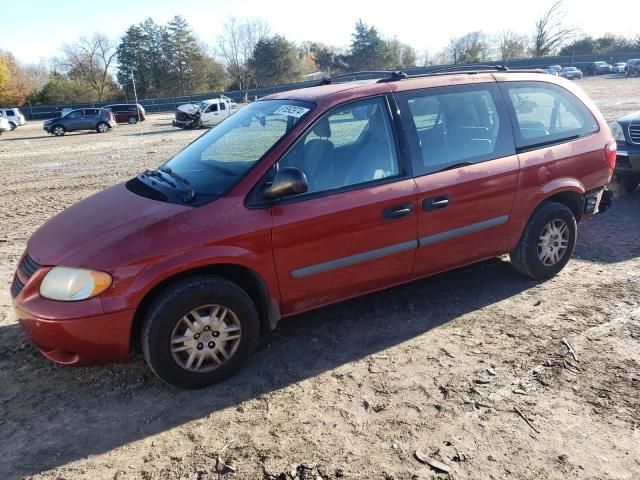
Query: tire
(12,126)
(537,261)
(102,127)
(167,321)
(58,130)
(132,120)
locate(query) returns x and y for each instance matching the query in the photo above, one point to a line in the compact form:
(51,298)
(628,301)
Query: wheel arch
(570,198)
(247,279)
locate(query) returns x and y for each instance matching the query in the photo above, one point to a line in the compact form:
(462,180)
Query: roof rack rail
(369,74)
(393,76)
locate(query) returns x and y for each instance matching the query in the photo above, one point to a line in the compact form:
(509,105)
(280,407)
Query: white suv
(15,117)
(4,124)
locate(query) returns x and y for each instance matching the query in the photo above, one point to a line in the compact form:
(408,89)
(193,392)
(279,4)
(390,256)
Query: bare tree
(510,45)
(473,47)
(550,32)
(236,45)
(90,60)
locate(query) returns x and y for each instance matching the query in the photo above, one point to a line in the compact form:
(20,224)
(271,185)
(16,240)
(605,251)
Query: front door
(466,171)
(211,115)
(354,231)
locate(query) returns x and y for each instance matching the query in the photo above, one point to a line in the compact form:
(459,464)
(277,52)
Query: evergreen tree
(368,50)
(274,61)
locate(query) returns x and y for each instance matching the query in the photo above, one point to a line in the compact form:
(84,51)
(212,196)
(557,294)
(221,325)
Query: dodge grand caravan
(309,197)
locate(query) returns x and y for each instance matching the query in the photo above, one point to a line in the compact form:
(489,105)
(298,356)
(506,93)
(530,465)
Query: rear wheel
(199,331)
(102,128)
(58,130)
(12,125)
(132,120)
(547,242)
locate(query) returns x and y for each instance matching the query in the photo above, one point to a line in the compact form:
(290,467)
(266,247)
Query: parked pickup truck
(206,113)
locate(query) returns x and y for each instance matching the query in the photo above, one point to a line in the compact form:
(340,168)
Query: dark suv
(632,69)
(130,113)
(599,68)
(626,131)
(310,197)
(97,119)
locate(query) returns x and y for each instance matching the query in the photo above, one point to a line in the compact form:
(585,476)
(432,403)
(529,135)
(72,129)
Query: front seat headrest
(322,128)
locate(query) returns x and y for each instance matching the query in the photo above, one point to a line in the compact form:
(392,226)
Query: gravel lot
(349,391)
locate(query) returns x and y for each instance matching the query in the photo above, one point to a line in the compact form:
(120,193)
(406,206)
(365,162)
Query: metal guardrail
(169,104)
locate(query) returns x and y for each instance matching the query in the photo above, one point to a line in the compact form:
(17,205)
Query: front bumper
(628,159)
(182,124)
(80,341)
(70,333)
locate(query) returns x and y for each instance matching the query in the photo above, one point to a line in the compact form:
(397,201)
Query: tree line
(170,60)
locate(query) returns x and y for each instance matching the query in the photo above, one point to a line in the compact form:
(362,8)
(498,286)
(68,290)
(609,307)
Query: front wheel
(132,120)
(547,243)
(199,331)
(58,130)
(102,128)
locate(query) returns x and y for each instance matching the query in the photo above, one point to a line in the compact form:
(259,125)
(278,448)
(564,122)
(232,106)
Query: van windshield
(214,162)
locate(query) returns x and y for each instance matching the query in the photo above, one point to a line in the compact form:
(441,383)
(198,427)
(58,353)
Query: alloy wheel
(205,338)
(553,242)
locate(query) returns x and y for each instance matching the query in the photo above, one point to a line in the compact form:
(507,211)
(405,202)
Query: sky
(35,29)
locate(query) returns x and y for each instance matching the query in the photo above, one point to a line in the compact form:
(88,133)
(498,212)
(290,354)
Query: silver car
(14,116)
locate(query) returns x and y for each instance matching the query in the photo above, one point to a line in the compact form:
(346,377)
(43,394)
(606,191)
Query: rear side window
(222,107)
(455,126)
(10,113)
(545,114)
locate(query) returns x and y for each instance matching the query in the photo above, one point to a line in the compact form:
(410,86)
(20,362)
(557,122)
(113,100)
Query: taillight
(610,152)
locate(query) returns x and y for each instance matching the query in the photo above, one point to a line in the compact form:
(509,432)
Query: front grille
(182,117)
(28,266)
(16,286)
(634,133)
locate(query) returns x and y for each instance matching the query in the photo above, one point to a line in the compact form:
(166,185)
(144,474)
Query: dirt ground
(349,391)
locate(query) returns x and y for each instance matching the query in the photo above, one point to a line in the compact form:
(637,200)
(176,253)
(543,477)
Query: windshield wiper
(180,178)
(159,176)
(189,192)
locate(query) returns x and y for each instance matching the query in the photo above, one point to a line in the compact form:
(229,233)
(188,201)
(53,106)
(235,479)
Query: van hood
(85,230)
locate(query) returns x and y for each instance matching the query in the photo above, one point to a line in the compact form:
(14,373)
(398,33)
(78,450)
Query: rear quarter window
(545,114)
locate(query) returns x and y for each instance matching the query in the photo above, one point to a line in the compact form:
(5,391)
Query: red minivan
(130,113)
(307,198)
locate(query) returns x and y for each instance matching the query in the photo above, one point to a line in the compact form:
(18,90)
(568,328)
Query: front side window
(75,114)
(218,159)
(350,145)
(213,108)
(455,126)
(545,113)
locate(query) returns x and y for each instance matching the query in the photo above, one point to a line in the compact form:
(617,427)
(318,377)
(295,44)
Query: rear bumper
(80,341)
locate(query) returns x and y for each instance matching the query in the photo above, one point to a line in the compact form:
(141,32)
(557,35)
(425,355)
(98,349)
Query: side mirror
(288,181)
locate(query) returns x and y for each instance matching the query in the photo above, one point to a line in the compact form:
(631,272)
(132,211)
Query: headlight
(618,133)
(70,284)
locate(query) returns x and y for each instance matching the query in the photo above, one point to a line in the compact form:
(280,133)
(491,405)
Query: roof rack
(385,76)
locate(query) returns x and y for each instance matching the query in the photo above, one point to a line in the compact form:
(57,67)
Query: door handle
(398,211)
(435,203)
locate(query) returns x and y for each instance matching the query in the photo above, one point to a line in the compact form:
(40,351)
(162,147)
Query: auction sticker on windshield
(291,110)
